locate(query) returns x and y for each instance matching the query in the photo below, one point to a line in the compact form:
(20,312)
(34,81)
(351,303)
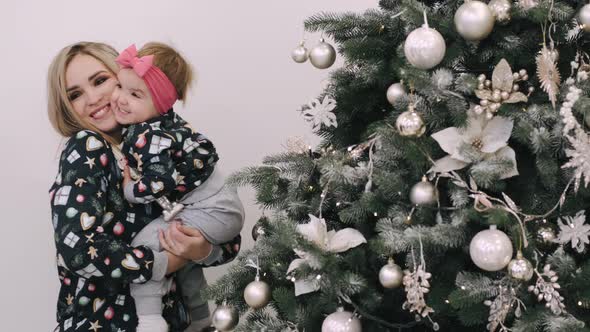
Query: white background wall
(245,100)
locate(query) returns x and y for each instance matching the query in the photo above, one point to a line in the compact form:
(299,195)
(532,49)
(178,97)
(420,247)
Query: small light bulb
(338,203)
(447,301)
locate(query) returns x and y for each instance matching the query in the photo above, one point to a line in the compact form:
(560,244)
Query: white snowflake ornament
(574,230)
(320,113)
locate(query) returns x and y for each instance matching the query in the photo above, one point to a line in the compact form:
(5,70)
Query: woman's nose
(94,96)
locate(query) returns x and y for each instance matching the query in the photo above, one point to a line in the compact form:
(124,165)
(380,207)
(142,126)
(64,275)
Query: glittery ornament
(520,268)
(409,123)
(341,321)
(491,249)
(424,47)
(501,10)
(225,318)
(546,236)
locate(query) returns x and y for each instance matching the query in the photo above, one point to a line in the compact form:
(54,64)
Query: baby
(171,163)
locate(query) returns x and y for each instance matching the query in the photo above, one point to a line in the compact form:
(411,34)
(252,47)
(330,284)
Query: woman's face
(89,85)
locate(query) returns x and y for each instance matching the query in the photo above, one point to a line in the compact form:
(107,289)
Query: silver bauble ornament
(520,268)
(584,17)
(423,193)
(257,230)
(409,123)
(501,10)
(491,249)
(391,275)
(395,92)
(225,318)
(322,55)
(474,20)
(341,321)
(425,47)
(546,235)
(257,294)
(299,54)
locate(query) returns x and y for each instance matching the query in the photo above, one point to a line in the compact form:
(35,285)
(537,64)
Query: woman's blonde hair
(169,60)
(61,113)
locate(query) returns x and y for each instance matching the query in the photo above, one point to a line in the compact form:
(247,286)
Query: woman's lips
(100,113)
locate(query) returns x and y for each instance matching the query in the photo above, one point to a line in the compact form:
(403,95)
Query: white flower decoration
(321,113)
(485,139)
(334,242)
(574,230)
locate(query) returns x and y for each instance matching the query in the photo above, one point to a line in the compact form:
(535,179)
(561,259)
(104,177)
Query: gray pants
(216,211)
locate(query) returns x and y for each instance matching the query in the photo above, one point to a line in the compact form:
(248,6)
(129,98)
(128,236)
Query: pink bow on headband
(128,59)
(162,90)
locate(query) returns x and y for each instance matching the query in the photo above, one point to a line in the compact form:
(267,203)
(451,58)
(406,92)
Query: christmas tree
(449,190)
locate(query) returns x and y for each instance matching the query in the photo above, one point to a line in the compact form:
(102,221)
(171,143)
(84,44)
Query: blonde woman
(93,224)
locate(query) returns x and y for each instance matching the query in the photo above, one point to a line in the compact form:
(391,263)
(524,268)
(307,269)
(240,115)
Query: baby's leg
(219,218)
(148,296)
(192,281)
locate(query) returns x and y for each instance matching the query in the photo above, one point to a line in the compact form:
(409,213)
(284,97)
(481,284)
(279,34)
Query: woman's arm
(175,263)
(188,242)
(85,231)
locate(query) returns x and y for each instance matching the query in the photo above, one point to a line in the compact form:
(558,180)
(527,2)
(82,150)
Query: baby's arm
(157,176)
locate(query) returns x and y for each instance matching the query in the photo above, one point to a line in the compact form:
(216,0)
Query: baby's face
(131,101)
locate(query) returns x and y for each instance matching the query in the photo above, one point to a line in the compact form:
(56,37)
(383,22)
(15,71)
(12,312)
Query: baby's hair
(170,62)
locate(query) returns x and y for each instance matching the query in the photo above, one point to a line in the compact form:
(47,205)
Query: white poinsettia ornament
(317,232)
(574,230)
(483,140)
(320,113)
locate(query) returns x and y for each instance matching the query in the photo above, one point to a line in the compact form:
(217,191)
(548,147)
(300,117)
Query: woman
(93,224)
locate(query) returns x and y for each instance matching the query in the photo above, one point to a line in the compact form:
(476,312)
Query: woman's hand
(175,263)
(185,242)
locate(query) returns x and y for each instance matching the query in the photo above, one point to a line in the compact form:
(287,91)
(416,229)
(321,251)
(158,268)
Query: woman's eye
(135,95)
(74,95)
(100,80)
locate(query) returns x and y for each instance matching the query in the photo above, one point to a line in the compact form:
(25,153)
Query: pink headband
(162,90)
